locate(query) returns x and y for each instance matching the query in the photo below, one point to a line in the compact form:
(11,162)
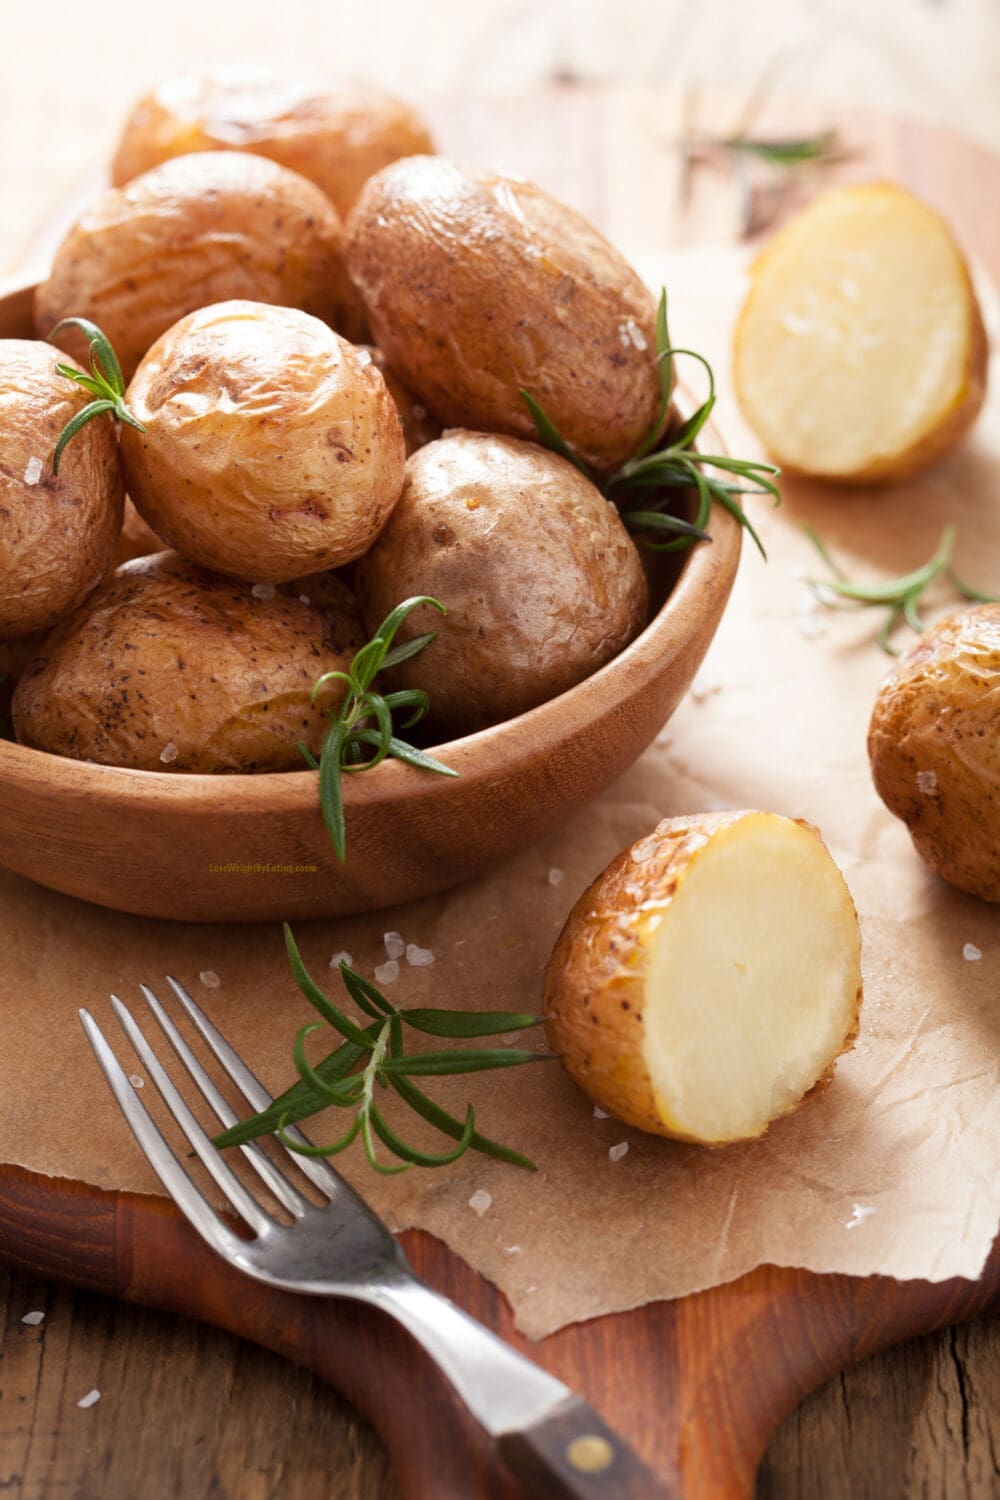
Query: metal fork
(552,1440)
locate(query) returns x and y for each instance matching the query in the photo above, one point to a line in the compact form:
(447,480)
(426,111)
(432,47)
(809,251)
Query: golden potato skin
(937,717)
(477,285)
(336,137)
(272,447)
(197,230)
(419,427)
(57,536)
(594,993)
(167,656)
(541,581)
(136,539)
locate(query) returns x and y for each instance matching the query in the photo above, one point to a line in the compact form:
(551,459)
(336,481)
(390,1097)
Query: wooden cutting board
(698,1386)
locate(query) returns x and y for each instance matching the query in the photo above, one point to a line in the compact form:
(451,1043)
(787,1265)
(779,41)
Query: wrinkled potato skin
(477,285)
(540,579)
(419,427)
(336,138)
(197,230)
(166,653)
(272,448)
(57,537)
(939,711)
(136,539)
(594,994)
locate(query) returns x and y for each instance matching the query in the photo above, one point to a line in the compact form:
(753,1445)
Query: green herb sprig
(899,597)
(106,384)
(375,1054)
(362,732)
(642,487)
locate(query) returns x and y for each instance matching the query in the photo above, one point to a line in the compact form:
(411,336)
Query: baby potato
(479,285)
(272,447)
(197,230)
(934,746)
(57,532)
(172,668)
(709,979)
(336,137)
(541,581)
(419,427)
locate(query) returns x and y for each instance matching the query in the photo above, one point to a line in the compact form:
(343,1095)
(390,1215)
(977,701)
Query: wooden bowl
(254,848)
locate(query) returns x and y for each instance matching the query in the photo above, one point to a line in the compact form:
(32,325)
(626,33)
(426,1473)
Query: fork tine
(222,1174)
(164,1163)
(254,1092)
(279,1185)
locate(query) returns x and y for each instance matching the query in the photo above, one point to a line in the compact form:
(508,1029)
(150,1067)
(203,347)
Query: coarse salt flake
(363,356)
(33,1319)
(395,947)
(636,334)
(556,876)
(135,1080)
(599,1113)
(33,471)
(420,958)
(263,591)
(972,953)
(343,957)
(508,1038)
(169,752)
(859,1213)
(480,1201)
(90,1399)
(617,1152)
(388,972)
(927,782)
(210,979)
(512,1250)
(304,599)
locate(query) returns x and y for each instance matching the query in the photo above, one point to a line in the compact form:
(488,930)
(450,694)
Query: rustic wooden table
(186,1411)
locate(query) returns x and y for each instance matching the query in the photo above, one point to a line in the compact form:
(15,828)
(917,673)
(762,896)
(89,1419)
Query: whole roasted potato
(709,979)
(57,532)
(479,285)
(194,231)
(272,447)
(934,745)
(172,668)
(336,137)
(541,581)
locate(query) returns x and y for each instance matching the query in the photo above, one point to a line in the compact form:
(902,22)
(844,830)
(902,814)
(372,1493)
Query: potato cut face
(752,984)
(860,338)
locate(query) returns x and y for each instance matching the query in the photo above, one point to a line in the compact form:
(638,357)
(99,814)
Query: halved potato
(708,981)
(860,353)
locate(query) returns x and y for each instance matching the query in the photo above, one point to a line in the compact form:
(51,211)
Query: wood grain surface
(191,1412)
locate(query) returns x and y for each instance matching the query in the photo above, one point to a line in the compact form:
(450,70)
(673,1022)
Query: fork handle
(574,1455)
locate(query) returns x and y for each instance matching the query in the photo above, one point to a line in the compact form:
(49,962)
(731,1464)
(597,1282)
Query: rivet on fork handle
(573,1455)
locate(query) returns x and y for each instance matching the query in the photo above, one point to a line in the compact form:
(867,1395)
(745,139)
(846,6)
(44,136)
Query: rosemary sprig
(642,487)
(375,1054)
(106,384)
(899,597)
(361,733)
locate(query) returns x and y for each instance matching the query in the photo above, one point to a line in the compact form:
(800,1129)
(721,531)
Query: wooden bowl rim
(706,575)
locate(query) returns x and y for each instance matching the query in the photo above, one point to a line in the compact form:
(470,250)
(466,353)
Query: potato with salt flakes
(934,746)
(541,581)
(860,354)
(707,982)
(478,285)
(57,531)
(171,668)
(272,447)
(337,137)
(197,230)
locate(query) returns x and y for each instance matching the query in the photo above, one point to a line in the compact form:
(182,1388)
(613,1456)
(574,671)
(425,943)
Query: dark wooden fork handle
(573,1455)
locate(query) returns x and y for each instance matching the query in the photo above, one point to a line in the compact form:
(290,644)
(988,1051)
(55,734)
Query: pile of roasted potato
(301,296)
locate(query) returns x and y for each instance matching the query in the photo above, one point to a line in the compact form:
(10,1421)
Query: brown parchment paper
(893,1170)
